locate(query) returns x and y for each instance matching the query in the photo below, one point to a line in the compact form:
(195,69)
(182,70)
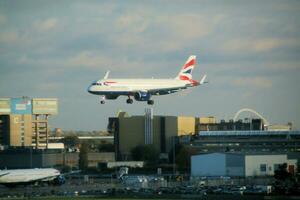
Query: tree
(145,153)
(83,156)
(182,155)
(183,158)
(70,141)
(284,183)
(106,148)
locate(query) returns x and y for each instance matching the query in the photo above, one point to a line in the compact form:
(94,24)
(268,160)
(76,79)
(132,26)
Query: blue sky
(249,49)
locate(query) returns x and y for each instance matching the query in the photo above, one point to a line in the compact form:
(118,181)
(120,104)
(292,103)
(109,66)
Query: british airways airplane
(15,177)
(144,89)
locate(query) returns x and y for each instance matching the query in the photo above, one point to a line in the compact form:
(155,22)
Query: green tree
(145,153)
(182,155)
(83,156)
(70,141)
(106,148)
(183,158)
(285,182)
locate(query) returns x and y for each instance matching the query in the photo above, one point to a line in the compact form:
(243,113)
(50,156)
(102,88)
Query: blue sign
(21,106)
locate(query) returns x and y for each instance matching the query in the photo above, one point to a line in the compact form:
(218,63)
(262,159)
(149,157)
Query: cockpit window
(96,83)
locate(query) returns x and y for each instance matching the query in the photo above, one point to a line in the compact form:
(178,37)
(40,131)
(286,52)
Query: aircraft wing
(48,178)
(164,91)
(4,174)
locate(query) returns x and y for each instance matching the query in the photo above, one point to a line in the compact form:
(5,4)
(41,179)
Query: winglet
(203,80)
(106,75)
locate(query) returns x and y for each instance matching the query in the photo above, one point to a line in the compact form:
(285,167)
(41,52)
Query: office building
(24,121)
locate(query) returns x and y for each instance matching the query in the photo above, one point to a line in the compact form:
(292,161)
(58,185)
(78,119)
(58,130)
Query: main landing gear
(150,102)
(102,100)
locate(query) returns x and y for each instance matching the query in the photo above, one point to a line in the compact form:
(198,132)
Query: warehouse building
(131,131)
(42,158)
(24,121)
(241,165)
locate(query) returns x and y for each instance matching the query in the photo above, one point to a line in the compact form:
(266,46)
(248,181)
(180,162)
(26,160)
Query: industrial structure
(240,164)
(24,121)
(131,131)
(202,133)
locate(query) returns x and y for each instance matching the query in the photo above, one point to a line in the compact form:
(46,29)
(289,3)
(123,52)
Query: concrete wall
(94,158)
(41,159)
(131,133)
(235,164)
(208,165)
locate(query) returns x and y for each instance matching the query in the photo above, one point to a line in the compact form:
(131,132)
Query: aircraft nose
(89,89)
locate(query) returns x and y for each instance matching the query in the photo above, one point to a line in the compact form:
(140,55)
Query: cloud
(49,87)
(258,45)
(133,23)
(257,82)
(164,32)
(46,25)
(3,19)
(9,37)
(87,59)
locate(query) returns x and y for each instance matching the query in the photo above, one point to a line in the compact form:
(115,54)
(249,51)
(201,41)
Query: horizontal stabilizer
(203,80)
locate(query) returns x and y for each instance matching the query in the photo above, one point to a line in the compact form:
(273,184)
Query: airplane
(144,89)
(14,177)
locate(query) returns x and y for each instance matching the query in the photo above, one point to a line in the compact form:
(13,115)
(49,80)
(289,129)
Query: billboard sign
(46,106)
(20,106)
(4,105)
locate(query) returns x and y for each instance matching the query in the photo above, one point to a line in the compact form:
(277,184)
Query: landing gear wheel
(129,101)
(102,102)
(150,102)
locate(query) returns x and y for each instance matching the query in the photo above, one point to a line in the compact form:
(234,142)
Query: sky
(250,51)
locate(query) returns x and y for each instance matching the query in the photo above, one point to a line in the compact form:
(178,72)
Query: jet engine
(142,96)
(60,180)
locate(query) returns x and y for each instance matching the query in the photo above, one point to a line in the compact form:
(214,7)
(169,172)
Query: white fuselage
(27,175)
(128,86)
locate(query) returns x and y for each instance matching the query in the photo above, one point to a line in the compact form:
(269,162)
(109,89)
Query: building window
(276,167)
(263,167)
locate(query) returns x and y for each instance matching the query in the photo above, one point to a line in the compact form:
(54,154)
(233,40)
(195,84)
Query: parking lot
(153,188)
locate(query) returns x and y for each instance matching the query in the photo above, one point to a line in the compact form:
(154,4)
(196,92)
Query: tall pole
(173,141)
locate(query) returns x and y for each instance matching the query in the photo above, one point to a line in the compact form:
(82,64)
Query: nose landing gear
(129,101)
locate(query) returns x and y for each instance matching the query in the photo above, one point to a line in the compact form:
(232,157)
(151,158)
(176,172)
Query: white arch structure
(252,111)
